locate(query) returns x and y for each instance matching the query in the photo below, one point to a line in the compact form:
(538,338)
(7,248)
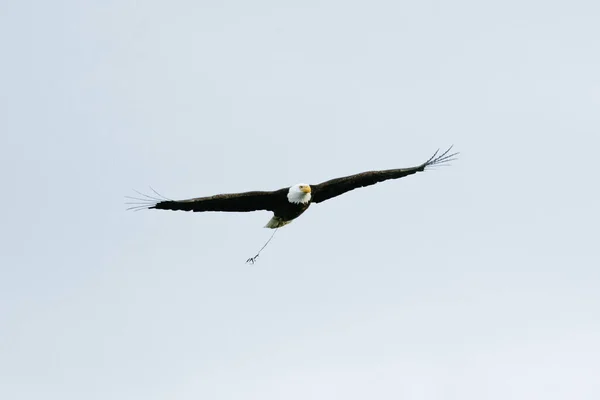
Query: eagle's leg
(252,260)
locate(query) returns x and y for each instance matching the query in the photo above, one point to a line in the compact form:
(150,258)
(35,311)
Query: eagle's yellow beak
(305,189)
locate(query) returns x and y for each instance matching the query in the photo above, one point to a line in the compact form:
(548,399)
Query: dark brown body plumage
(290,211)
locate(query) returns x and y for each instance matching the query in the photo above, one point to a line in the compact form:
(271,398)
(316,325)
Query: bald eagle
(288,203)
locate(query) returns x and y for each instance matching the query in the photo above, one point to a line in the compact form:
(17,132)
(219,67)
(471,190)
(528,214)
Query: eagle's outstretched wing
(335,187)
(233,202)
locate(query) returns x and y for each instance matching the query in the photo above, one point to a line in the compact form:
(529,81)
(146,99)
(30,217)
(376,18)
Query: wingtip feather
(145,201)
(441,159)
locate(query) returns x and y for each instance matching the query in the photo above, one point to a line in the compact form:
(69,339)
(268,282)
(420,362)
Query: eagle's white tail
(276,222)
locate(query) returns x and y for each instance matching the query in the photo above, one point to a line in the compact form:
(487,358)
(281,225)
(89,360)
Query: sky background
(475,281)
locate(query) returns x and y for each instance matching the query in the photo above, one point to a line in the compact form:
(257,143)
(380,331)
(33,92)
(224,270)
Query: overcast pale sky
(475,281)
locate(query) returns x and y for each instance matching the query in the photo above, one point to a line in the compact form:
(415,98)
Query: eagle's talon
(251,260)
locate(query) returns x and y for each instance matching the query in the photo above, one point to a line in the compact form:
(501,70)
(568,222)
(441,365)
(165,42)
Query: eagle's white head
(299,193)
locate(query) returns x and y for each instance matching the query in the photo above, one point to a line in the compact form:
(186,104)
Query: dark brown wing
(233,202)
(335,187)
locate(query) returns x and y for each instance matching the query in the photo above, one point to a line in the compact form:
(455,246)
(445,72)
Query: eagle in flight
(288,203)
